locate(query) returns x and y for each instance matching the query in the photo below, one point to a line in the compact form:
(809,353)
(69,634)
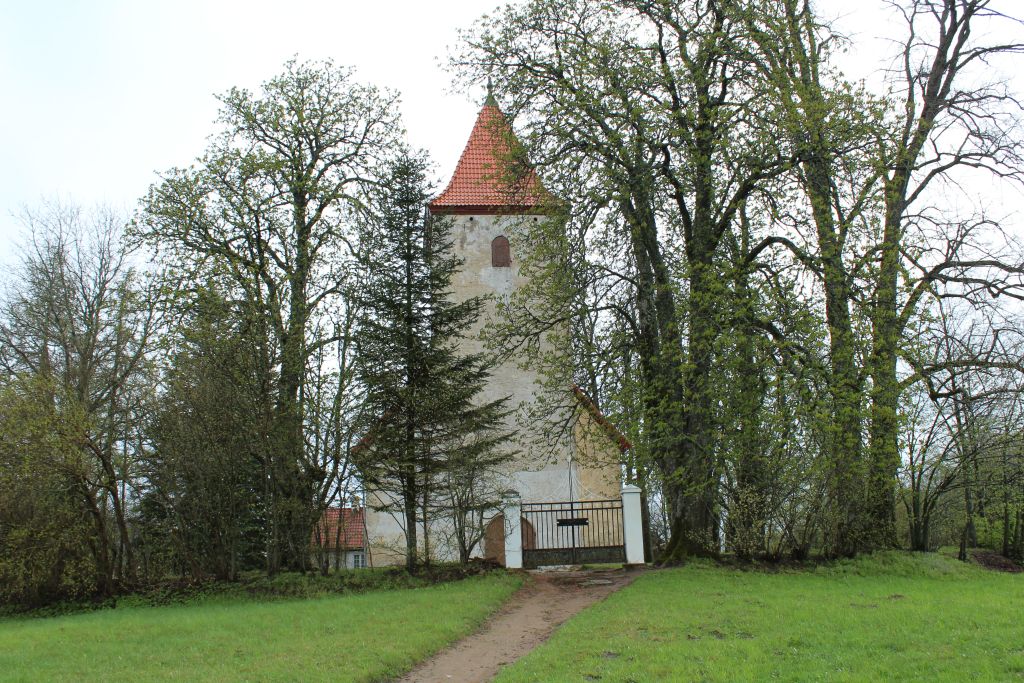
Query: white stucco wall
(542,471)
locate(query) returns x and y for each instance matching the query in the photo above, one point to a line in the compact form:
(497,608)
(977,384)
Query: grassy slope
(363,637)
(889,617)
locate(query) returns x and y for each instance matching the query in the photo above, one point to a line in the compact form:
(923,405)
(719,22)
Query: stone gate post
(632,525)
(513,513)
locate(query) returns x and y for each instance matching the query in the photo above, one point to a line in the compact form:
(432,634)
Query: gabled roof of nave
(486,179)
(610,429)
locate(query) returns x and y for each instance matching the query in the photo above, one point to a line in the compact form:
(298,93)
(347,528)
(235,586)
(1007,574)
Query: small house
(340,540)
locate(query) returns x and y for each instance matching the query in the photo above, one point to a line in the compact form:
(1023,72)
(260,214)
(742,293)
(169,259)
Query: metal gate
(574,532)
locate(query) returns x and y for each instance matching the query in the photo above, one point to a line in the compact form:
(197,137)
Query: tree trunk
(970,532)
(750,503)
(695,522)
(294,490)
(844,446)
(411,505)
(660,352)
(885,392)
(425,497)
(1018,552)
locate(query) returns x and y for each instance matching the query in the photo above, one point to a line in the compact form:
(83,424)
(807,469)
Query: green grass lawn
(365,637)
(891,617)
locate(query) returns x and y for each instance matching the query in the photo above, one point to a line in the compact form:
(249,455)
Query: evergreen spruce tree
(426,424)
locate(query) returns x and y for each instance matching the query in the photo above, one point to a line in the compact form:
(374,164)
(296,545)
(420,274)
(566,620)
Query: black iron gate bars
(572,532)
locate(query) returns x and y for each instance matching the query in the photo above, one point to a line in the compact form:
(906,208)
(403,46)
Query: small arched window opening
(501,254)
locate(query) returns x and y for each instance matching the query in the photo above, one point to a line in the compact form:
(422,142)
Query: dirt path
(526,621)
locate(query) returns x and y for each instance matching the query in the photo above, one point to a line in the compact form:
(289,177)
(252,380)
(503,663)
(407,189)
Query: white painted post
(632,525)
(513,531)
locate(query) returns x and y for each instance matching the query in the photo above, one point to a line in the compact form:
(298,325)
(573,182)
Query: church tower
(491,208)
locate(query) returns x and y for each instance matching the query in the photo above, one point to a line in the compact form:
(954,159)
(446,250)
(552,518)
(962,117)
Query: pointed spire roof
(487,179)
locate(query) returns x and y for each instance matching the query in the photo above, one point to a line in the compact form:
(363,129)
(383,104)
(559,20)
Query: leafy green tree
(78,317)
(953,116)
(204,475)
(830,124)
(865,161)
(650,113)
(426,419)
(46,537)
(266,213)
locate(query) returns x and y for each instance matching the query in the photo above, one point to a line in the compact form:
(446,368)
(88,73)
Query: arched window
(501,255)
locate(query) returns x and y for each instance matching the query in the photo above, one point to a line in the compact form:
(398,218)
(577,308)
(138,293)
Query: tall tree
(952,117)
(865,161)
(427,421)
(830,124)
(203,471)
(648,110)
(79,318)
(265,212)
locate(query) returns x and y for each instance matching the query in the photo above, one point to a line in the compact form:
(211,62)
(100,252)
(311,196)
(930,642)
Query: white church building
(557,482)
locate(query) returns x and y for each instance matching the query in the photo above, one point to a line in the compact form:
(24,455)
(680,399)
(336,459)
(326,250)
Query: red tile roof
(486,179)
(344,526)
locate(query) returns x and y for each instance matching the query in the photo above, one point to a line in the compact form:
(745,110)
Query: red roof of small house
(342,529)
(486,179)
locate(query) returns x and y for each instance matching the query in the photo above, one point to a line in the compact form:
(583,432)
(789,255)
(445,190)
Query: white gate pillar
(632,525)
(513,513)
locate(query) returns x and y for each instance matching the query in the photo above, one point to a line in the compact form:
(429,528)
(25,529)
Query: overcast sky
(97,96)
